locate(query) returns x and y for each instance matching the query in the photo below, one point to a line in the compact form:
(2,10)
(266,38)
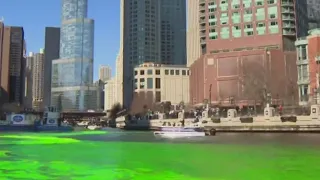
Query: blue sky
(35,15)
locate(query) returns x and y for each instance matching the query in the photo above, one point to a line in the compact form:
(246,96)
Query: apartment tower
(248,51)
(104,73)
(36,64)
(193,32)
(153,31)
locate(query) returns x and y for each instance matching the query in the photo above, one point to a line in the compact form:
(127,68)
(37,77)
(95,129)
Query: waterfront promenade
(266,123)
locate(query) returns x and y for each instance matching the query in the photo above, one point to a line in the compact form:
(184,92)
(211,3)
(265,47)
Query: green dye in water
(68,158)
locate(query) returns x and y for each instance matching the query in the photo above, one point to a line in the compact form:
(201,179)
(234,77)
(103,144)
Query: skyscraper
(12,63)
(72,74)
(313,13)
(151,31)
(193,32)
(35,80)
(104,73)
(51,52)
(27,102)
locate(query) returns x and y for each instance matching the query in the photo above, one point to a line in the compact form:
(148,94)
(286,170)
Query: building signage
(52,121)
(17,118)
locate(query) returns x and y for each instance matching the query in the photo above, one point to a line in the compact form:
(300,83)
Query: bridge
(82,115)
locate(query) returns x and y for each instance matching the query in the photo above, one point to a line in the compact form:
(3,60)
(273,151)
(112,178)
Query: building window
(135,83)
(259,2)
(158,96)
(135,73)
(236,31)
(184,72)
(177,72)
(271,1)
(158,83)
(157,72)
(141,72)
(149,83)
(261,28)
(171,72)
(166,72)
(142,83)
(273,27)
(225,33)
(149,72)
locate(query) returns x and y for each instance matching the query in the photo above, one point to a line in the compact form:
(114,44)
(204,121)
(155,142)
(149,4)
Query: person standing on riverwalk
(280,110)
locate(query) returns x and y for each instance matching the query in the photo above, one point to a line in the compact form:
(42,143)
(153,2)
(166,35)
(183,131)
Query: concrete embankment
(241,124)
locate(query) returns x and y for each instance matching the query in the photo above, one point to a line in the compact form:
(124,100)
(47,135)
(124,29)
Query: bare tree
(254,82)
(115,109)
(142,102)
(12,107)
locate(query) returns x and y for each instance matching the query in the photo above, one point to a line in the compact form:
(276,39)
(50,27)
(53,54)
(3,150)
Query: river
(120,155)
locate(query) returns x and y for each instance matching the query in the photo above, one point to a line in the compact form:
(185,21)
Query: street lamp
(210,88)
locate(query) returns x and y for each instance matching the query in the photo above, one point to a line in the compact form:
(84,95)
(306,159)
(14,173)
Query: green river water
(111,156)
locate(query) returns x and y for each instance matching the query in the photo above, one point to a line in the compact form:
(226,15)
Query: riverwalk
(267,123)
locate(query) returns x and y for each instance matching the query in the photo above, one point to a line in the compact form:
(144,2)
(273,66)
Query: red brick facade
(314,67)
(226,73)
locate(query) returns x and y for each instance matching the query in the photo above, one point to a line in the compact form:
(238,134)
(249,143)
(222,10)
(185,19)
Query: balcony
(302,62)
(202,21)
(203,34)
(202,2)
(289,25)
(202,28)
(287,3)
(202,14)
(289,32)
(303,81)
(287,10)
(288,18)
(203,41)
(202,8)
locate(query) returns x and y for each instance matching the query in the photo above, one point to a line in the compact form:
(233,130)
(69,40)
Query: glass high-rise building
(151,31)
(72,74)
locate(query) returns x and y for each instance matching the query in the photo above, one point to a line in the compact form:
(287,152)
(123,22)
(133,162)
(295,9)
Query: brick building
(308,60)
(248,52)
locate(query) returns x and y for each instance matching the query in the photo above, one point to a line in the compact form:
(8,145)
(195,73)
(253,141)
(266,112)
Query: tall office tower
(313,13)
(72,86)
(28,81)
(152,31)
(193,32)
(11,68)
(104,73)
(242,40)
(51,52)
(38,80)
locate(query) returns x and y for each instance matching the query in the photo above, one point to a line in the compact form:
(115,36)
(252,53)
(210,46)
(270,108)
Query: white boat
(83,123)
(94,127)
(179,132)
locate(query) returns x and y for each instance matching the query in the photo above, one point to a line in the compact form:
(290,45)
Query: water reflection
(220,138)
